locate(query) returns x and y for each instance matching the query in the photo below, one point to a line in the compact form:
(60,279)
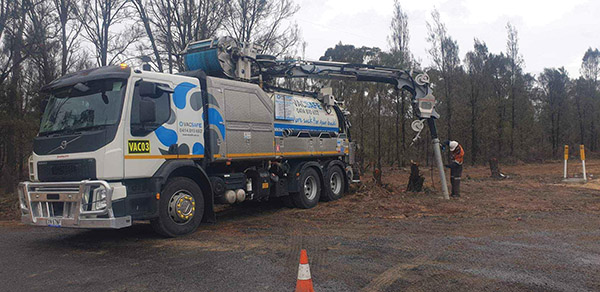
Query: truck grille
(67,170)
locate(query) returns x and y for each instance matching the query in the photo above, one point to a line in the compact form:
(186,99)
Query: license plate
(54,222)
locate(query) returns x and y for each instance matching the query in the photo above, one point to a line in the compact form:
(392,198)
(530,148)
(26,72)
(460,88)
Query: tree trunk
(416,180)
(144,17)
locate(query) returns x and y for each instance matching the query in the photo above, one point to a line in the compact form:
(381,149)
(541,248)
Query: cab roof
(87,75)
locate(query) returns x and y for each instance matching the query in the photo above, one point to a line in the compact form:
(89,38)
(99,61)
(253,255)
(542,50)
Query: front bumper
(83,204)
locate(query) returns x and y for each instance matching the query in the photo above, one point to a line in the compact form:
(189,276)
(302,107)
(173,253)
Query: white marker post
(566,159)
(582,155)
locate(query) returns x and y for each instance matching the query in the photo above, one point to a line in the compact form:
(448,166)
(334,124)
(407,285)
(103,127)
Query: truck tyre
(335,184)
(310,189)
(181,207)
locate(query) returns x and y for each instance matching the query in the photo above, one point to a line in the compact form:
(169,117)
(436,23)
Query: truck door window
(163,113)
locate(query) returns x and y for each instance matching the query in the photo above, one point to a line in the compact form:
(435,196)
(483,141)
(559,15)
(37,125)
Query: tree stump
(495,169)
(416,180)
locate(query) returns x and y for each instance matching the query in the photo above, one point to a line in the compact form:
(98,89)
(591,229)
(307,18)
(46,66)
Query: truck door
(147,143)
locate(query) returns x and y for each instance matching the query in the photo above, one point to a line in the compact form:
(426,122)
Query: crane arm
(423,99)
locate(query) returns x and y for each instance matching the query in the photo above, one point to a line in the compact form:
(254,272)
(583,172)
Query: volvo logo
(63,145)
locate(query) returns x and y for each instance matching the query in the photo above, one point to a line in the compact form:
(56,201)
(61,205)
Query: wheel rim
(182,207)
(335,181)
(310,187)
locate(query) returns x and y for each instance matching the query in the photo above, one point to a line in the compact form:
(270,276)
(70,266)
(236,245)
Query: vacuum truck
(118,144)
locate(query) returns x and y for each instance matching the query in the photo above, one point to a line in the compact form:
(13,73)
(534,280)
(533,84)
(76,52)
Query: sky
(552,33)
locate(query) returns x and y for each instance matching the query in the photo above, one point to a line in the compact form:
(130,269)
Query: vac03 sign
(138,146)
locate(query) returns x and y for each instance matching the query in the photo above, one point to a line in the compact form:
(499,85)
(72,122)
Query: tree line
(487,102)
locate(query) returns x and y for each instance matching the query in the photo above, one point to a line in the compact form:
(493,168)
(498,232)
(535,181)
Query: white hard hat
(453,145)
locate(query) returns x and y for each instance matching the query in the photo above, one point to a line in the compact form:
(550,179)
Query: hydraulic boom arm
(422,98)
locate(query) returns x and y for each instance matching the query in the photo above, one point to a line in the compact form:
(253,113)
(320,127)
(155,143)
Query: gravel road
(529,234)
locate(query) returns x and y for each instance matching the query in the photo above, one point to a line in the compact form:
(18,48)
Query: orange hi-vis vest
(458,154)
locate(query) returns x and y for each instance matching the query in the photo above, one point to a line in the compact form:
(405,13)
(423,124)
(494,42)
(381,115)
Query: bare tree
(590,72)
(42,34)
(554,85)
(13,30)
(444,54)
(399,42)
(70,29)
(99,18)
(265,22)
(477,64)
(516,63)
(177,23)
(143,15)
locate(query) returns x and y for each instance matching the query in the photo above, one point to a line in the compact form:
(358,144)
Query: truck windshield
(83,106)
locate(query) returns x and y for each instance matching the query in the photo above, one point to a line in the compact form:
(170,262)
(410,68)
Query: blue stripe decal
(281,127)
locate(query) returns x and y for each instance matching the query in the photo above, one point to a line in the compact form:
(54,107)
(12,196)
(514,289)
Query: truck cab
(104,134)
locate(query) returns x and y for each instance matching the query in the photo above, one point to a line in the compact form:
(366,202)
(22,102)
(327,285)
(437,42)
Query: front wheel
(181,207)
(310,189)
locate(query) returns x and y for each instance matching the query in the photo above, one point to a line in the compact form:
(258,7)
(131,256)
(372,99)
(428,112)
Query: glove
(443,147)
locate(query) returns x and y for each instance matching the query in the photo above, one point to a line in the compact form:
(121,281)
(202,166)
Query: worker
(457,157)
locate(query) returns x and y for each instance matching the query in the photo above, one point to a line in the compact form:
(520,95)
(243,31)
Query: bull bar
(82,204)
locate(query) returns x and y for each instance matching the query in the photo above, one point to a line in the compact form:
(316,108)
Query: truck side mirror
(147,111)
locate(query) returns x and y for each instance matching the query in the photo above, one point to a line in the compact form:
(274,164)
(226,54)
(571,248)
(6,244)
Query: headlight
(99,198)
(31,168)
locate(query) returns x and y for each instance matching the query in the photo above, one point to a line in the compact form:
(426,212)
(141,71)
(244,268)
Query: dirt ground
(529,232)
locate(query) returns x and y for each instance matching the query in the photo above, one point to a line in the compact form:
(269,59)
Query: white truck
(118,144)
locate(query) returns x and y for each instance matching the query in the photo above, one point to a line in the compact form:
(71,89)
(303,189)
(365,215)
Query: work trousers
(455,174)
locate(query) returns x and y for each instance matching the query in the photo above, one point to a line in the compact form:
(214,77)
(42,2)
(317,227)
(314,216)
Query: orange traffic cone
(304,283)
